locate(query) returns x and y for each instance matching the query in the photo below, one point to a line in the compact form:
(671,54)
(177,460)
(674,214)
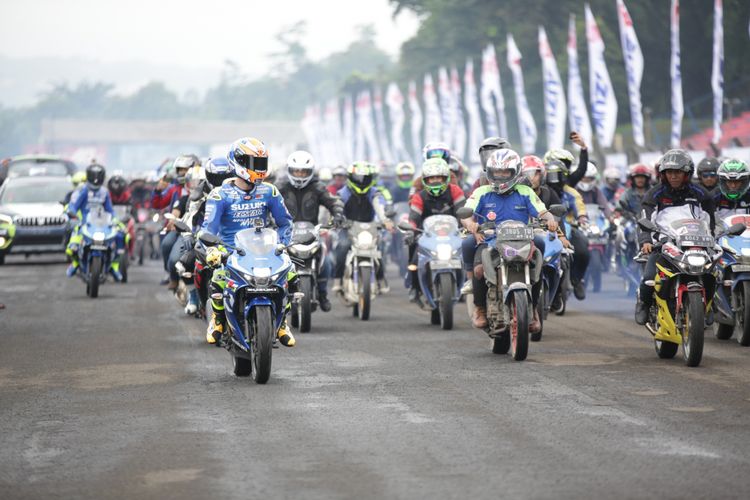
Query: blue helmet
(217,171)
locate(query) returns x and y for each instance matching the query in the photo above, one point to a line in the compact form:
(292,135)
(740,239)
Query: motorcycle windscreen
(257,243)
(441,225)
(303,233)
(692,232)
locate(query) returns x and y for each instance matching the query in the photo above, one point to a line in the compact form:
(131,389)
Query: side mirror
(557,210)
(209,239)
(390,213)
(405,226)
(663,239)
(736,229)
(647,225)
(464,212)
(181,226)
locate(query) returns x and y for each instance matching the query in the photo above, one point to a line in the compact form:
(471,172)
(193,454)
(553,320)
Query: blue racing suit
(81,201)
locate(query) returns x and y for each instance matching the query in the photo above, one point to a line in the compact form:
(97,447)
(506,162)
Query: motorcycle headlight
(444,251)
(98,236)
(262,272)
(6,219)
(696,260)
(364,239)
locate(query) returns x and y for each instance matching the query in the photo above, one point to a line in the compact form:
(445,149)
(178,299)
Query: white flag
(416,122)
(432,120)
(676,75)
(526,125)
(459,126)
(491,94)
(476,132)
(395,102)
(333,152)
(348,130)
(554,94)
(603,101)
(578,114)
(367,128)
(631,53)
(447,109)
(717,77)
(385,148)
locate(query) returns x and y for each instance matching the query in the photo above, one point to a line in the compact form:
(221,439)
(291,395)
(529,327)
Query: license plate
(514,233)
(741,268)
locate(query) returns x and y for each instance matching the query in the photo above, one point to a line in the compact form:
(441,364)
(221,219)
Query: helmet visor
(300,173)
(255,163)
(554,177)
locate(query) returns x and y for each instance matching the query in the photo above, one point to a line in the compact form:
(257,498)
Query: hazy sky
(189,32)
(181,43)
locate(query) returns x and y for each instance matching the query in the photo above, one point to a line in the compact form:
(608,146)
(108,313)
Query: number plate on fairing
(519,233)
(741,268)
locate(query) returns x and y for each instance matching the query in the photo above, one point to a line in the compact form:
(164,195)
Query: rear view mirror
(464,212)
(557,210)
(736,229)
(209,239)
(405,226)
(181,226)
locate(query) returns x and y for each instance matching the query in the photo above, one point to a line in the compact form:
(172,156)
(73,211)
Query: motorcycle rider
(438,197)
(557,179)
(91,194)
(639,177)
(339,179)
(590,192)
(612,188)
(434,150)
(674,198)
(78,179)
(505,198)
(303,195)
(234,206)
(533,169)
(732,196)
(401,189)
(120,195)
(572,177)
(362,203)
(707,173)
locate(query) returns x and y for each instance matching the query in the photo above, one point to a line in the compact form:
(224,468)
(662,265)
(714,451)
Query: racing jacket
(363,208)
(662,204)
(168,196)
(423,205)
(82,200)
(726,207)
(304,204)
(229,210)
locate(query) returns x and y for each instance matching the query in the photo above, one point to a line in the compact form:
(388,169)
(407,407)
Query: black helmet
(489,145)
(675,159)
(708,164)
(117,184)
(95,175)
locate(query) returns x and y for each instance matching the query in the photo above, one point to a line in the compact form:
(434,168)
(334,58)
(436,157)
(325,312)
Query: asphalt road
(120,397)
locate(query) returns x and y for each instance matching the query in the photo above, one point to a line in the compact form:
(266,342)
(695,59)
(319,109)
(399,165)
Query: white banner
(554,94)
(415,113)
(717,78)
(603,101)
(631,53)
(385,148)
(526,125)
(432,119)
(369,149)
(676,75)
(348,130)
(578,114)
(395,102)
(491,93)
(333,137)
(447,109)
(476,132)
(459,126)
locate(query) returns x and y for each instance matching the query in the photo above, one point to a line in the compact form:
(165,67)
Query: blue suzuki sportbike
(97,250)
(255,300)
(731,303)
(439,267)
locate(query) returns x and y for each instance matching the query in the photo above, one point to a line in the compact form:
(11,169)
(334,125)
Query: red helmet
(531,162)
(640,169)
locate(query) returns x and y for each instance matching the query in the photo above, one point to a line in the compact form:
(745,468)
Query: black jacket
(303,204)
(663,196)
(576,175)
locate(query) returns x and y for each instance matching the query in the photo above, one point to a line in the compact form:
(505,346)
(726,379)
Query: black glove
(280,249)
(338,219)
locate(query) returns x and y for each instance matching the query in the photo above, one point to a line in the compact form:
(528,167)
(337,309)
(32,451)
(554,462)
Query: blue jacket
(521,204)
(85,197)
(229,209)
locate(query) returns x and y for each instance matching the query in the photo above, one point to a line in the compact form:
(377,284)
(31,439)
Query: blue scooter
(97,250)
(255,298)
(731,303)
(439,266)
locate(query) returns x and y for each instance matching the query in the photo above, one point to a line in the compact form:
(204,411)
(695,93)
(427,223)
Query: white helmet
(300,168)
(503,169)
(324,174)
(591,173)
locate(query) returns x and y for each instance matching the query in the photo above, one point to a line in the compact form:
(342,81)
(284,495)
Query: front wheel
(692,334)
(95,269)
(519,325)
(365,285)
(744,336)
(261,343)
(304,307)
(446,288)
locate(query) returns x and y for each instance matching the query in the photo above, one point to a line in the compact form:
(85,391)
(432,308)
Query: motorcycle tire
(501,343)
(435,317)
(692,335)
(241,367)
(124,262)
(365,286)
(95,269)
(446,289)
(540,306)
(665,350)
(744,337)
(261,343)
(304,307)
(595,271)
(294,316)
(2,258)
(519,325)
(724,332)
(140,249)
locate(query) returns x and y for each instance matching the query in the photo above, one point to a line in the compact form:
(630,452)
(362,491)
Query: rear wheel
(261,344)
(744,337)
(124,261)
(2,258)
(365,285)
(304,307)
(446,288)
(242,367)
(501,343)
(435,317)
(595,270)
(692,334)
(95,269)
(536,337)
(519,325)
(724,332)
(665,350)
